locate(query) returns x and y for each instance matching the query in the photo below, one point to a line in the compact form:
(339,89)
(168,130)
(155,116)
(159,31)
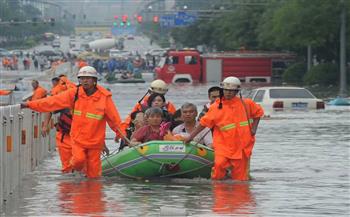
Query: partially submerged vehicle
(282,98)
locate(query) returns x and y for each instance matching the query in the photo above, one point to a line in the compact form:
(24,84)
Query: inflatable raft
(160,159)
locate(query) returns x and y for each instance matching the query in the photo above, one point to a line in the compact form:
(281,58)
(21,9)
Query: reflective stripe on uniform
(231,126)
(228,127)
(94,116)
(245,123)
(77,112)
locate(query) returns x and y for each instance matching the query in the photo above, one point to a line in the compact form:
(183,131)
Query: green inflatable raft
(160,159)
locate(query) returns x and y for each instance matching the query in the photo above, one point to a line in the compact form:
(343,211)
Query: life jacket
(65,118)
(64,122)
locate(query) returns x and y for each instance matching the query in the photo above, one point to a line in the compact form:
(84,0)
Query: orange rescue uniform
(81,64)
(138,107)
(64,148)
(65,83)
(63,142)
(39,93)
(90,114)
(4,92)
(232,138)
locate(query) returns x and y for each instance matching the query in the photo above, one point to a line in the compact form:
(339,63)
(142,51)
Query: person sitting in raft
(157,100)
(152,130)
(189,113)
(138,120)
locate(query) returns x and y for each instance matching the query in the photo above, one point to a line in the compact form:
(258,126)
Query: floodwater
(300,167)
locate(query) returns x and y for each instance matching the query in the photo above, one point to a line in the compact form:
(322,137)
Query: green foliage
(294,74)
(279,25)
(25,33)
(30,42)
(323,74)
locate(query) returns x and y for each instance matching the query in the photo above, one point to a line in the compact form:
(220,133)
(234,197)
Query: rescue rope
(134,147)
(172,166)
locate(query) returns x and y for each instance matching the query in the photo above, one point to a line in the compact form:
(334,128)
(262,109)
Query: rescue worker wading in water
(157,86)
(92,107)
(235,121)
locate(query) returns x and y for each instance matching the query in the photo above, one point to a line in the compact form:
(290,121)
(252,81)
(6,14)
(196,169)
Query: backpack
(65,118)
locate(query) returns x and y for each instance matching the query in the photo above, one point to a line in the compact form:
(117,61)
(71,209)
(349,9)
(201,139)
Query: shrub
(323,74)
(294,73)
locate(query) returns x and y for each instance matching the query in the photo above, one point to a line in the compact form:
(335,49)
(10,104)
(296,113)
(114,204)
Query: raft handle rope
(172,166)
(134,147)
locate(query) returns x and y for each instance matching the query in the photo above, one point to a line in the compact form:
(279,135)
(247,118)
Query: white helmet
(231,83)
(158,86)
(87,71)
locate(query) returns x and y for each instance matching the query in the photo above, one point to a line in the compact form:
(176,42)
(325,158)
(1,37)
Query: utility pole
(343,80)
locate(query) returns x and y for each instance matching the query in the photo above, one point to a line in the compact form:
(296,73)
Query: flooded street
(300,167)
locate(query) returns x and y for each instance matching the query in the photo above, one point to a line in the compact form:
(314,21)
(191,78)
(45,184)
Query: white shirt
(204,137)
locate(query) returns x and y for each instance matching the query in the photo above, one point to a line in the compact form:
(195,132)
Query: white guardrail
(22,146)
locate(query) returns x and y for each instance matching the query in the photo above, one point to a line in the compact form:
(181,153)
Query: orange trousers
(239,171)
(65,151)
(88,160)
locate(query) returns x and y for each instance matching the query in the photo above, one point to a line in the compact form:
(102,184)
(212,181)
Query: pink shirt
(145,134)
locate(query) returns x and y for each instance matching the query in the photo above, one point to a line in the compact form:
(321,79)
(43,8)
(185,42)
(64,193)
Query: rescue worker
(157,86)
(63,125)
(235,121)
(5,92)
(65,82)
(38,91)
(81,63)
(92,107)
(55,86)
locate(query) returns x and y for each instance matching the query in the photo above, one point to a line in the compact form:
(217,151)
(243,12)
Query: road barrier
(22,148)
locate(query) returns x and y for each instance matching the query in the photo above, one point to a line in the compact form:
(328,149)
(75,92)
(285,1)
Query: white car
(115,53)
(280,98)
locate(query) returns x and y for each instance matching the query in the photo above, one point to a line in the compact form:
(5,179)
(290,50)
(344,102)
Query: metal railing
(22,146)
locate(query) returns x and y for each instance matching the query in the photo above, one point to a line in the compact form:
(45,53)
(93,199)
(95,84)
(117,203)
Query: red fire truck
(249,66)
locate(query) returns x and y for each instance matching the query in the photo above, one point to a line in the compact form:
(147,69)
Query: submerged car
(280,98)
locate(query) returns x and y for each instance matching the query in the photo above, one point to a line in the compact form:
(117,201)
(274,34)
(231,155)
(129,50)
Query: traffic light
(155,19)
(124,18)
(121,23)
(116,17)
(115,24)
(139,19)
(128,23)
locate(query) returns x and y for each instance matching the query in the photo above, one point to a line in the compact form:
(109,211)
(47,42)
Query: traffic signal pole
(343,79)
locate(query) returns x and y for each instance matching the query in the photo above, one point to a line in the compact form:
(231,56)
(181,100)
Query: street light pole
(343,79)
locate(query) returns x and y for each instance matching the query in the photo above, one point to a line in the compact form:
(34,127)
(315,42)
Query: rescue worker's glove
(24,105)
